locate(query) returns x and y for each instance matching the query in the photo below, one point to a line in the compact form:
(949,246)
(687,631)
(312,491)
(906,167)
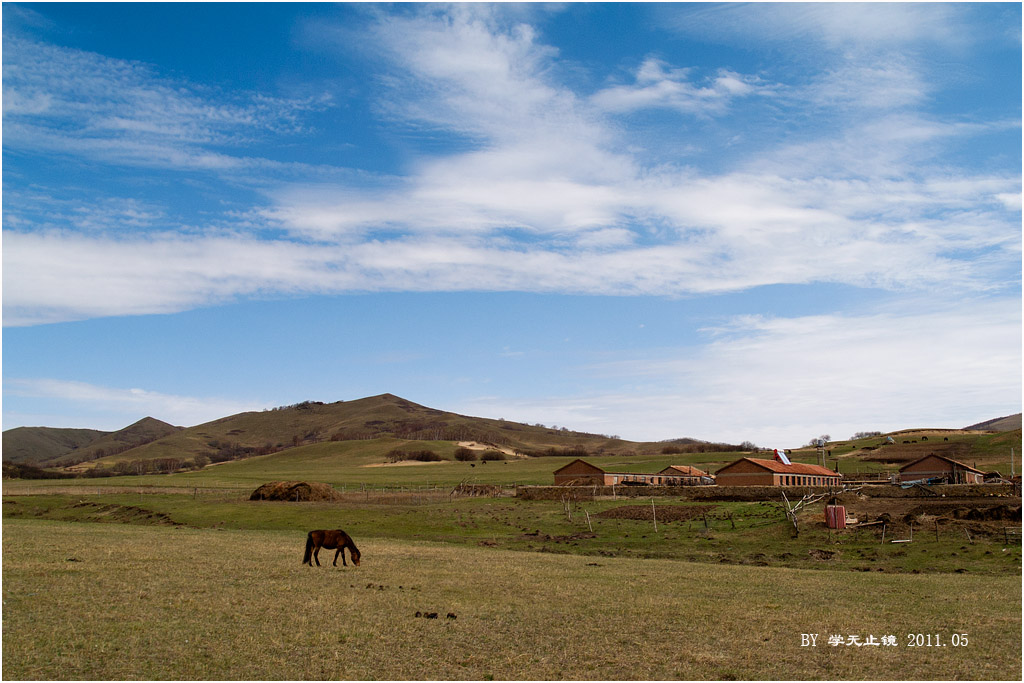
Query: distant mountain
(53,447)
(256,433)
(269,431)
(144,431)
(34,445)
(1000,424)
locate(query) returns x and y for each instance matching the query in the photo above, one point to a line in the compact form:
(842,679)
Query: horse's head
(354,552)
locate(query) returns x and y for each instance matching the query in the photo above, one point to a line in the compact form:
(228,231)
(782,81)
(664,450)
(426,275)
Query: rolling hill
(53,447)
(144,431)
(1000,424)
(35,445)
(268,431)
(376,417)
(365,424)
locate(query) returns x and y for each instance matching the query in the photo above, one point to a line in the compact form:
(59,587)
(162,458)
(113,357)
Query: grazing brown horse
(335,538)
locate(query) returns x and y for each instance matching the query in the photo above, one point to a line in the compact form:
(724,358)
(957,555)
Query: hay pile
(295,491)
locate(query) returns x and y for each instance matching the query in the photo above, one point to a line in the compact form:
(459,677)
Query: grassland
(348,464)
(156,602)
(353,464)
(182,577)
(742,533)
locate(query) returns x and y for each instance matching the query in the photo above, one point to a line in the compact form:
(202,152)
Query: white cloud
(550,196)
(66,101)
(887,82)
(119,407)
(50,277)
(838,26)
(656,85)
(780,381)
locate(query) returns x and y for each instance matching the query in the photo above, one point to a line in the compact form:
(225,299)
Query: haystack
(295,491)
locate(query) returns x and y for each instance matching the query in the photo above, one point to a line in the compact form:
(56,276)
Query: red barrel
(835,516)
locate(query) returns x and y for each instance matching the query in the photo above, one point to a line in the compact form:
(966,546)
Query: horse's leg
(342,551)
(336,552)
(316,555)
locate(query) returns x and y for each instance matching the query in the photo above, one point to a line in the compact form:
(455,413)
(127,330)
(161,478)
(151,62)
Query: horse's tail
(309,548)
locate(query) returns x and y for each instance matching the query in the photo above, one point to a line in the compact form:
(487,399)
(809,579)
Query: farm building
(691,475)
(938,467)
(582,473)
(758,472)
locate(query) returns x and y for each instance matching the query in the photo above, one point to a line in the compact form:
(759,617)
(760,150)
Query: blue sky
(730,222)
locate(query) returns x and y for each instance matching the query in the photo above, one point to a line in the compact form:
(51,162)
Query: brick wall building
(760,472)
(939,467)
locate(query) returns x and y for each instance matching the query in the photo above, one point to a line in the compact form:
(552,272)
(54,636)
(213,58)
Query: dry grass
(130,602)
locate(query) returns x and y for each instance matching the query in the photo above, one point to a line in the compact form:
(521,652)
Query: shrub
(397,455)
(465,454)
(96,472)
(492,455)
(426,456)
(574,451)
(16,470)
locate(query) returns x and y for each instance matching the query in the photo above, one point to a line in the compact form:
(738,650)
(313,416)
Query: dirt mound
(295,491)
(665,513)
(125,514)
(973,510)
(997,512)
(823,555)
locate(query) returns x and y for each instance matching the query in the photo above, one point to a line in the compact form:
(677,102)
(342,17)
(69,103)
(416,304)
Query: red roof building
(760,472)
(582,473)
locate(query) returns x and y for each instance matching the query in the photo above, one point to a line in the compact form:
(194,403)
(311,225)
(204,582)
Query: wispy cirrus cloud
(545,192)
(835,26)
(765,379)
(118,407)
(67,101)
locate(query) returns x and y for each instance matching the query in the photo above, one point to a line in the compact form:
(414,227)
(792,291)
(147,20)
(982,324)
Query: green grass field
(182,577)
(352,464)
(125,601)
(741,533)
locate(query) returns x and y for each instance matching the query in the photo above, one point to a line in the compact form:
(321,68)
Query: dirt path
(477,446)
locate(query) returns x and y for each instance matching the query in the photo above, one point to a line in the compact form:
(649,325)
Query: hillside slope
(142,432)
(1000,424)
(35,445)
(257,433)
